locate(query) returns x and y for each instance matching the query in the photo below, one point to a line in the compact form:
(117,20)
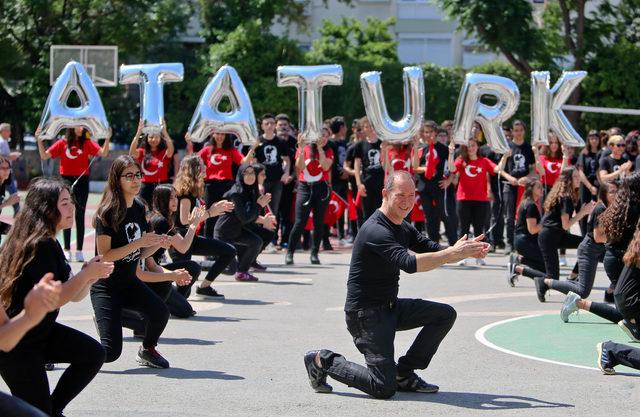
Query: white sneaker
(79,256)
(271,248)
(67,255)
(480,262)
(563,261)
(343,243)
(462,263)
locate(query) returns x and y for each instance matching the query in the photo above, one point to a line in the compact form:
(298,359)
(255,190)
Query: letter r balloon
(470,109)
(151,79)
(546,107)
(309,80)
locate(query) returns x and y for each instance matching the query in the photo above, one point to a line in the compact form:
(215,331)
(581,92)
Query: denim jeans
(589,254)
(373,330)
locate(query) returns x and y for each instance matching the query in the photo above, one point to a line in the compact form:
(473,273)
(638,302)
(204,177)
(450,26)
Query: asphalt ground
(243,356)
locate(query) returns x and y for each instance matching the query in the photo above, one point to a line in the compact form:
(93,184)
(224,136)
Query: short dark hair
(430,123)
(267,116)
(388,184)
(336,124)
(283,116)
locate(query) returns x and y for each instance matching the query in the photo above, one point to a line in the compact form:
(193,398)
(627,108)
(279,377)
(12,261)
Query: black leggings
(213,192)
(550,240)
(626,297)
(248,245)
(80,194)
(474,213)
(310,196)
(530,255)
(15,407)
(223,252)
(108,302)
(23,368)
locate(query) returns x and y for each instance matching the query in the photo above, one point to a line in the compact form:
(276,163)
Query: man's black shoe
(288,258)
(413,383)
(317,377)
(541,289)
(608,297)
(208,292)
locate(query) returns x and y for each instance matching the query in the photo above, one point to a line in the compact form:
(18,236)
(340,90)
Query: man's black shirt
(380,251)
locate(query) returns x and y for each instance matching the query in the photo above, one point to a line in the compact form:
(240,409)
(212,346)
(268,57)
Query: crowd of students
(229,202)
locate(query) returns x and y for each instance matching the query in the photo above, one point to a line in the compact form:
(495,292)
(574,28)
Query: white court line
(480,336)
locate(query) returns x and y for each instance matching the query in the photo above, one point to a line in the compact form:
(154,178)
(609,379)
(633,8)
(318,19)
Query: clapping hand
(43,298)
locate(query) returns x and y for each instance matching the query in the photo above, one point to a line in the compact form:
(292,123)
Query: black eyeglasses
(131,176)
(620,145)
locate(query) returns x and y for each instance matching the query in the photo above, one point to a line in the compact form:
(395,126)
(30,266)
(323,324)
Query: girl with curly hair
(556,223)
(189,188)
(618,225)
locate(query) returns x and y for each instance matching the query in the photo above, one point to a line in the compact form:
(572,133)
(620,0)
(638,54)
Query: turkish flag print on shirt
(156,168)
(74,161)
(312,171)
(219,162)
(473,178)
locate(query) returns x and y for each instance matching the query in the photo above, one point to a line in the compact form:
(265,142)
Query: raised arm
(44,154)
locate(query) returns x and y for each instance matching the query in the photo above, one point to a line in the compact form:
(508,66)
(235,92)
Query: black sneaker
(314,259)
(413,383)
(605,362)
(327,246)
(317,377)
(541,289)
(630,329)
(152,358)
(208,292)
(608,297)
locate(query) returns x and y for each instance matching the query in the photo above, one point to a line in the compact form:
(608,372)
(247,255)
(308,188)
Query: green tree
(140,28)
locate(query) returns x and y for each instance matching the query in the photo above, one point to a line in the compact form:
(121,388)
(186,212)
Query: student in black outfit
(373,310)
(273,153)
(285,223)
(31,252)
(618,225)
(266,234)
(313,162)
(588,164)
(43,298)
(189,186)
(530,262)
(5,181)
(369,170)
(519,165)
(163,222)
(615,164)
(556,223)
(233,227)
(348,167)
(339,177)
(431,182)
(122,237)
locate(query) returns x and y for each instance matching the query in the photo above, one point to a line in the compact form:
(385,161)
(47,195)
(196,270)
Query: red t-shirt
(156,168)
(552,167)
(400,159)
(74,161)
(473,178)
(219,162)
(312,171)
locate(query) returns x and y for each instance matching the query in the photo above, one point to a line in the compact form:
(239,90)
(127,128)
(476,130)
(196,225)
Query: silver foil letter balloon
(57,115)
(546,107)
(151,79)
(374,104)
(239,121)
(309,80)
(470,109)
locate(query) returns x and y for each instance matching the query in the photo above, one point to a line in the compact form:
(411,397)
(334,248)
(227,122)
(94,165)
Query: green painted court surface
(547,337)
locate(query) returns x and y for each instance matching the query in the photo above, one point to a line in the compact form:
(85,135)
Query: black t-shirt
(528,210)
(610,165)
(589,163)
(350,158)
(380,251)
(340,155)
(372,169)
(160,226)
(592,222)
(270,154)
(442,153)
(48,258)
(553,217)
(520,160)
(246,210)
(193,202)
(130,229)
